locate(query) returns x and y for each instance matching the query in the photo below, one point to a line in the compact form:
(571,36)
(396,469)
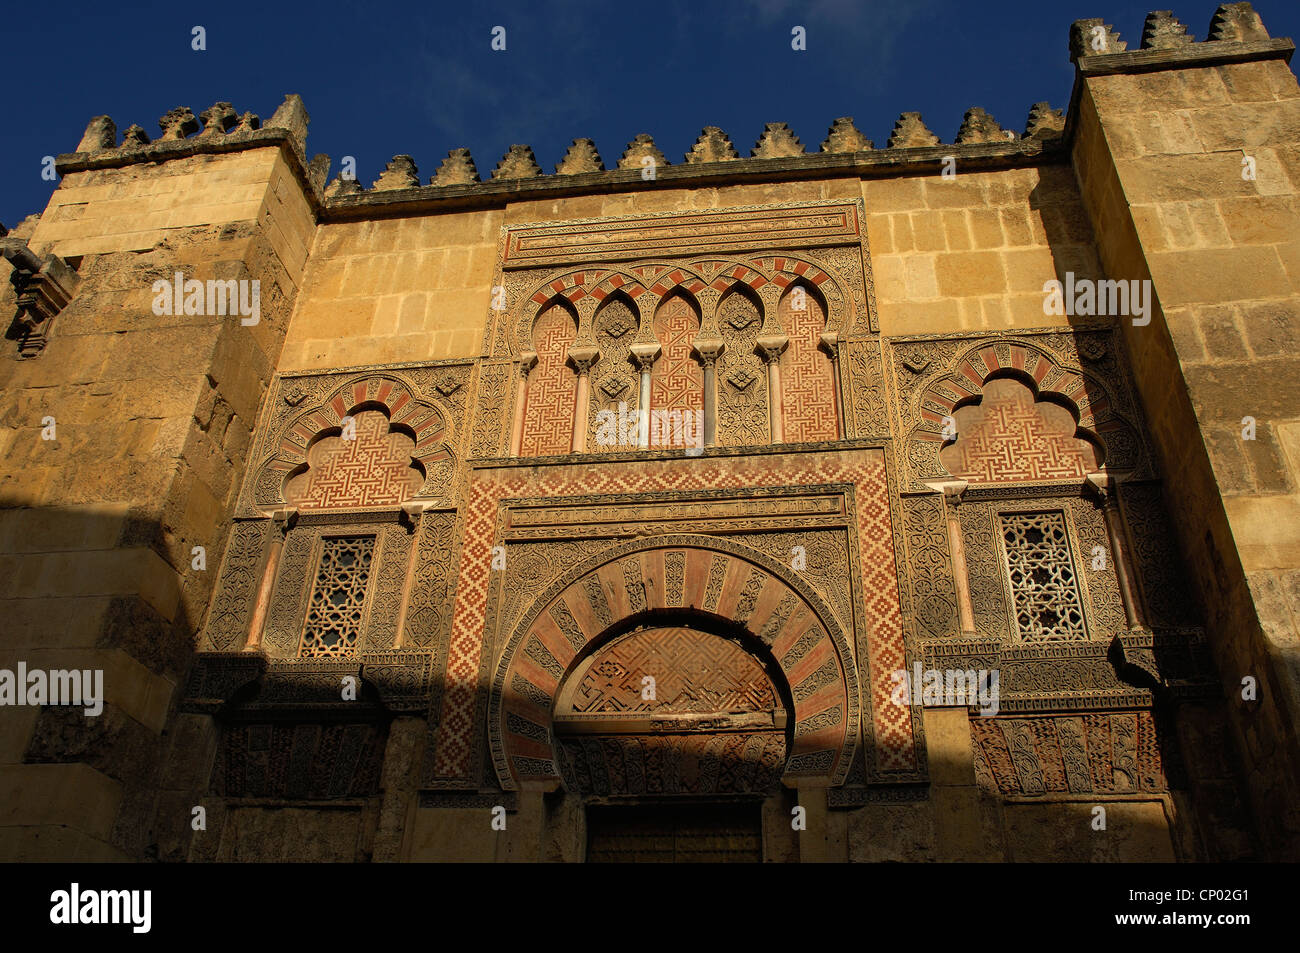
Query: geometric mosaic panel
(1009,437)
(693,671)
(552,386)
(676,377)
(807,376)
(372,467)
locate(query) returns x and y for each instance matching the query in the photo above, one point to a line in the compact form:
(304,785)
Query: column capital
(527,359)
(645,353)
(710,348)
(583,356)
(952,490)
(284,518)
(412,510)
(1103,484)
(771,346)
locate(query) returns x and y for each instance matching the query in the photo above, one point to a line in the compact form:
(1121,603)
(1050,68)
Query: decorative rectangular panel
(615,239)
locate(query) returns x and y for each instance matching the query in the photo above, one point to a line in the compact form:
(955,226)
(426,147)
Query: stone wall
(187,430)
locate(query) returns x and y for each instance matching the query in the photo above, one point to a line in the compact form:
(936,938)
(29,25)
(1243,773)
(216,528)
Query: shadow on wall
(88,590)
(284,770)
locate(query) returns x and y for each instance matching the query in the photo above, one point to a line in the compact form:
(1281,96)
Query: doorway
(676,833)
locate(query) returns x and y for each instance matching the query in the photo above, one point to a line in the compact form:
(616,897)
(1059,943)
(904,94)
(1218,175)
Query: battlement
(1235,33)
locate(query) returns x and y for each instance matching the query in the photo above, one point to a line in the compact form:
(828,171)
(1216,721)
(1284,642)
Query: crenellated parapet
(1235,32)
(219,128)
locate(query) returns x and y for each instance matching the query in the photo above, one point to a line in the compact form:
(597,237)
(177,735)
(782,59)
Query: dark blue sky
(379,80)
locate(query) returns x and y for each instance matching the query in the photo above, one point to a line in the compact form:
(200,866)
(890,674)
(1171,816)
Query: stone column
(710,349)
(771,346)
(582,356)
(954,791)
(525,832)
(813,840)
(526,361)
(412,511)
(1105,488)
(283,520)
(645,355)
(952,491)
(831,341)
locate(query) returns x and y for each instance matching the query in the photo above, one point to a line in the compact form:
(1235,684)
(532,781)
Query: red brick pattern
(807,377)
(677,378)
(893,739)
(1009,437)
(552,386)
(372,468)
(693,671)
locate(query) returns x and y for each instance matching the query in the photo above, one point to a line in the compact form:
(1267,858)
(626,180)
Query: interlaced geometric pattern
(676,379)
(552,386)
(743,417)
(807,377)
(693,671)
(1009,437)
(894,742)
(614,380)
(370,468)
(338,598)
(1043,585)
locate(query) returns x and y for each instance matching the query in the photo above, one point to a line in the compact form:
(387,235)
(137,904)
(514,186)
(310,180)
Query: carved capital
(952,490)
(771,346)
(284,518)
(527,360)
(412,510)
(710,347)
(582,357)
(645,354)
(1103,484)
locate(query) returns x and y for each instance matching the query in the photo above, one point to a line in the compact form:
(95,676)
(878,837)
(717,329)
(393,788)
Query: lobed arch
(1087,397)
(674,576)
(390,393)
(551,394)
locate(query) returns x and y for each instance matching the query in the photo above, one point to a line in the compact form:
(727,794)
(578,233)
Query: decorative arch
(368,465)
(677,377)
(676,576)
(808,385)
(744,417)
(552,384)
(677,277)
(839,301)
(1006,436)
(1086,397)
(387,393)
(614,379)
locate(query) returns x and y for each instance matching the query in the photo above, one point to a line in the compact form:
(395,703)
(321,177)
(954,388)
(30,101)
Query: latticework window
(338,598)
(1044,587)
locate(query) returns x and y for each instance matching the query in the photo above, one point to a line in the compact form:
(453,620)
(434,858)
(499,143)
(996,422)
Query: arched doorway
(753,689)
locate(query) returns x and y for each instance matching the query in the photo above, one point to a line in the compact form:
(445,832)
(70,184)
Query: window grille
(338,598)
(1044,587)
